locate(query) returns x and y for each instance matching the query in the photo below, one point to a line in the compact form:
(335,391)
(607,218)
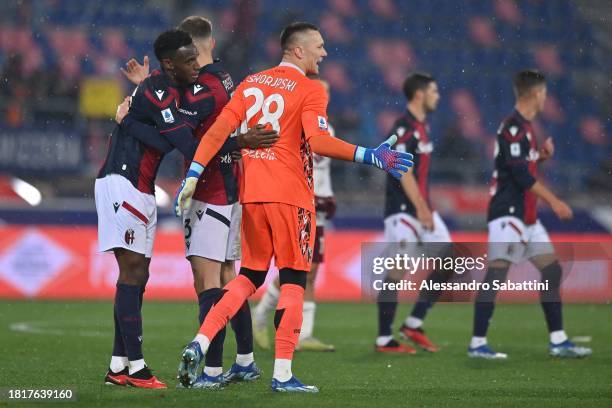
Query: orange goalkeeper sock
(288,320)
(235,293)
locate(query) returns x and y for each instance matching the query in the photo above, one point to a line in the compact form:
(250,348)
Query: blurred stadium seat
(48,49)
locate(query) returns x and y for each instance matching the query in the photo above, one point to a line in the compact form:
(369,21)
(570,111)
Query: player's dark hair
(311,75)
(527,79)
(416,81)
(198,27)
(288,34)
(168,42)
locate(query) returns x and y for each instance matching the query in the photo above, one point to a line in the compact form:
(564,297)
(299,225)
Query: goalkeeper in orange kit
(277,192)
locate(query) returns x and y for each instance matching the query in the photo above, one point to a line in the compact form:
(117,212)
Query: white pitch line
(33,328)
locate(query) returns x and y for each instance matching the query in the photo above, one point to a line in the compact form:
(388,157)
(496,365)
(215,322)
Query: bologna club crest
(129,236)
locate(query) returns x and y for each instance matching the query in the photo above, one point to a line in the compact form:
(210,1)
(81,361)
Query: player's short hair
(168,42)
(287,36)
(527,79)
(198,27)
(416,81)
(311,75)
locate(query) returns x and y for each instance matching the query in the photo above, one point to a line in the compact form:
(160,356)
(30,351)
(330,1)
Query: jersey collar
(521,117)
(289,64)
(412,118)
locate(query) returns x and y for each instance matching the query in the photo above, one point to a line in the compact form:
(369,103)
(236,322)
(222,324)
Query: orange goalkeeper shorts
(281,230)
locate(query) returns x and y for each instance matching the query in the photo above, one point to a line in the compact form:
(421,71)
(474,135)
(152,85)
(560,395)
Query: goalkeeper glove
(182,200)
(393,162)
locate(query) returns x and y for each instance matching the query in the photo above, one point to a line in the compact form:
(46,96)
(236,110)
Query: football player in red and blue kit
(515,233)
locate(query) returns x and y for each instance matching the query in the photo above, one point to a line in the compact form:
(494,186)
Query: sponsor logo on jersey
(167,115)
(188,113)
(424,148)
(228,83)
(226,158)
(264,154)
(200,213)
(534,155)
(160,94)
(322,123)
(197,88)
(116,206)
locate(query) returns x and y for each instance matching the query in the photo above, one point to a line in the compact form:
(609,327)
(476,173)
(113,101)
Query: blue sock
(141,296)
(551,298)
(118,346)
(243,329)
(427,298)
(127,305)
(485,302)
(483,311)
(387,306)
(206,300)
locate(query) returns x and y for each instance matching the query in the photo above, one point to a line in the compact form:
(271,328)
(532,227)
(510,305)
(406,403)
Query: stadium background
(61,83)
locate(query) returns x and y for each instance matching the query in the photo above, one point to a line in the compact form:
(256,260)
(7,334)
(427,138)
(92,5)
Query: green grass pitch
(68,344)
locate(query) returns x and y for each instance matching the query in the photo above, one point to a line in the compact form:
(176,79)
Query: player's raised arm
(314,121)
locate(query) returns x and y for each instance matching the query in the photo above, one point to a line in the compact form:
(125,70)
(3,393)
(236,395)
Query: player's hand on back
(123,109)
(393,162)
(135,72)
(258,137)
(562,210)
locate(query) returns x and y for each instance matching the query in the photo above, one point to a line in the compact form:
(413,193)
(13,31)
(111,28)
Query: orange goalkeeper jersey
(293,105)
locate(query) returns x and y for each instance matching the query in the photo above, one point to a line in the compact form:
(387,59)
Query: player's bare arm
(561,209)
(411,189)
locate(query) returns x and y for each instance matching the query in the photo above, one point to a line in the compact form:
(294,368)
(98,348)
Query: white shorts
(510,239)
(213,231)
(405,229)
(126,217)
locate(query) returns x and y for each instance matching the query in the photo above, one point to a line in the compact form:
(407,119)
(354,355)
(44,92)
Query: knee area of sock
(293,276)
(212,295)
(496,273)
(257,278)
(552,273)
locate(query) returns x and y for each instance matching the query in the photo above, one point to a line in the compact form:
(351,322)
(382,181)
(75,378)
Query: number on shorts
(187,228)
(265,106)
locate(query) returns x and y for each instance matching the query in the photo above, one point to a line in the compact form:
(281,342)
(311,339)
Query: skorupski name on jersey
(281,83)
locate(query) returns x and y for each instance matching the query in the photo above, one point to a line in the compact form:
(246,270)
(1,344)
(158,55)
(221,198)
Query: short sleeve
(406,138)
(514,152)
(234,112)
(156,107)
